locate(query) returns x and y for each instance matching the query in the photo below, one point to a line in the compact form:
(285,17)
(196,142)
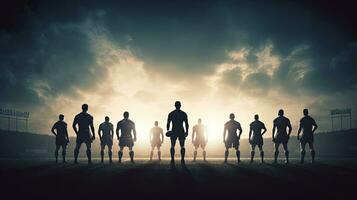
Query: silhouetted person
(256,128)
(84,135)
(106,139)
(126,126)
(281,137)
(308,126)
(62,138)
(156,140)
(201,138)
(232,139)
(177,118)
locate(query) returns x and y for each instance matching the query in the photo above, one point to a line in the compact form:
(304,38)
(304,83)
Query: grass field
(38,179)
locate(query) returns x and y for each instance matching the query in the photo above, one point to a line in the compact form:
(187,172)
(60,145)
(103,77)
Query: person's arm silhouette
(250,134)
(74,125)
(273,132)
(117,130)
(290,128)
(264,129)
(92,129)
(99,130)
(186,125)
(53,129)
(134,132)
(315,126)
(168,122)
(240,131)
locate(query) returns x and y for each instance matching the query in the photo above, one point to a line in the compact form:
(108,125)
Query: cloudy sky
(216,57)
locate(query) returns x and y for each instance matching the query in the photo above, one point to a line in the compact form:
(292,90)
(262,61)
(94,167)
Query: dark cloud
(45,59)
(306,70)
(232,77)
(256,84)
(291,26)
(46,52)
(343,66)
(172,37)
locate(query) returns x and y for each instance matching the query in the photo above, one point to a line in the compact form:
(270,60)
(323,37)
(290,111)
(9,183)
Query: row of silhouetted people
(177,129)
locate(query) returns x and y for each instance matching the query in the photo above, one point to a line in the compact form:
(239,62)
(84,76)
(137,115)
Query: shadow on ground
(160,180)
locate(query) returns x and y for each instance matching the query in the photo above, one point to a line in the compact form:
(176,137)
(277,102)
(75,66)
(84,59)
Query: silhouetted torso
(61,129)
(177,117)
(306,124)
(126,126)
(232,126)
(257,127)
(84,120)
(156,132)
(106,127)
(281,123)
(199,130)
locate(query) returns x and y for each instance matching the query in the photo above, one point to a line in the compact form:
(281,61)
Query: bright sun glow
(150,97)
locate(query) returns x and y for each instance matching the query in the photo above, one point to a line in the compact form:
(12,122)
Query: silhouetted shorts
(106,142)
(84,137)
(156,143)
(61,141)
(199,142)
(181,138)
(126,142)
(307,138)
(232,142)
(178,134)
(281,139)
(257,140)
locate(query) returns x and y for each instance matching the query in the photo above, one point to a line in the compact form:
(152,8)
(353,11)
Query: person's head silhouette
(306,112)
(85,107)
(256,117)
(231,116)
(61,117)
(178,105)
(126,115)
(199,120)
(156,123)
(106,118)
(281,112)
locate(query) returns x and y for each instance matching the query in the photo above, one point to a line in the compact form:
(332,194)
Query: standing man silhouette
(62,138)
(281,137)
(106,139)
(126,126)
(155,140)
(308,126)
(232,139)
(177,118)
(200,140)
(256,128)
(84,135)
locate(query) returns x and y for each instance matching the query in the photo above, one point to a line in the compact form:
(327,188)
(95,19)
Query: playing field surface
(43,179)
